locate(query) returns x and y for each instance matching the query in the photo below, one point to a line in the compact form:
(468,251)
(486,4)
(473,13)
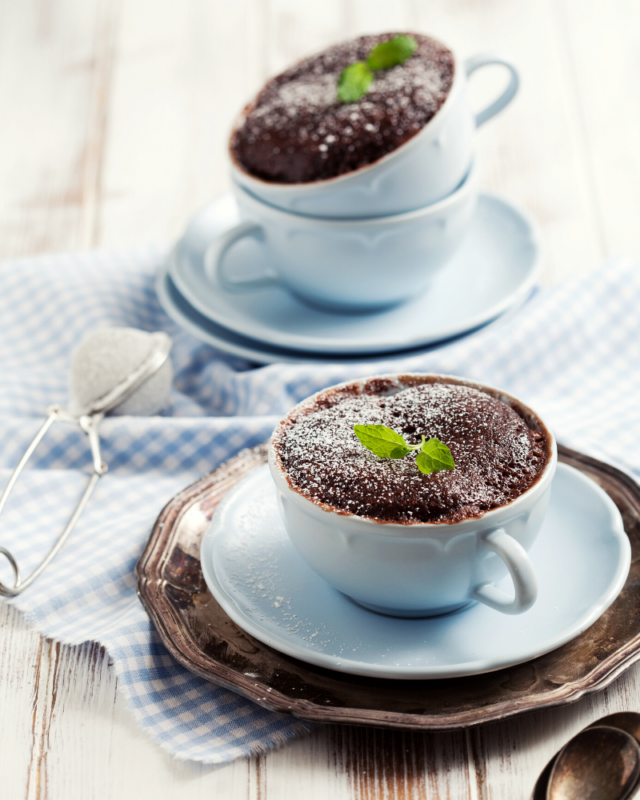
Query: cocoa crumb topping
(498,455)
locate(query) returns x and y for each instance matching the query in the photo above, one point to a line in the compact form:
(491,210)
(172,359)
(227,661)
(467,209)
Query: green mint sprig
(392,52)
(434,456)
(355,80)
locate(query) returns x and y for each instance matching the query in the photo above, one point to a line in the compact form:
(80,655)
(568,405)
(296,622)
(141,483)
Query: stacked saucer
(344,237)
(493,272)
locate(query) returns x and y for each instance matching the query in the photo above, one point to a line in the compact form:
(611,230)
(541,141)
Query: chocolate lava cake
(499,451)
(297,131)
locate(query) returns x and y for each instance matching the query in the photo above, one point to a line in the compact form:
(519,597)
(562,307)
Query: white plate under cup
(262,583)
(347,264)
(421,569)
(420,172)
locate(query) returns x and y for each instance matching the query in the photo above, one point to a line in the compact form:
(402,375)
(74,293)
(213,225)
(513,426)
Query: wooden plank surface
(115,117)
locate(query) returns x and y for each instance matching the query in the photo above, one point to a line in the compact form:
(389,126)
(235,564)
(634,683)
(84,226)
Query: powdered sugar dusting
(259,566)
(497,455)
(298,131)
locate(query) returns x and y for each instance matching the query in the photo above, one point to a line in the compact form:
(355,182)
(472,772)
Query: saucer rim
(314,344)
(319,659)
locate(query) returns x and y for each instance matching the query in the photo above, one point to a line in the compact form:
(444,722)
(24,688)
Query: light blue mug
(419,173)
(347,264)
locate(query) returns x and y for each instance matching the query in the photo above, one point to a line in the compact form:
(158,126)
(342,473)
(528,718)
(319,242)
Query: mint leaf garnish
(382,441)
(391,53)
(354,82)
(434,457)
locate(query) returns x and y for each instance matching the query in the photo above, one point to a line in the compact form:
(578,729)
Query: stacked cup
(377,235)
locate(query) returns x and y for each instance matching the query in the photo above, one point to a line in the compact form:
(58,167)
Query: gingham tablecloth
(573,354)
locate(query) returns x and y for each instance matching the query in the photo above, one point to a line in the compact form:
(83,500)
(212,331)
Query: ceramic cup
(347,264)
(422,569)
(421,172)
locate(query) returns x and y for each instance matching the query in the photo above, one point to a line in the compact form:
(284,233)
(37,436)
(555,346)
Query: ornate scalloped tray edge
(200,636)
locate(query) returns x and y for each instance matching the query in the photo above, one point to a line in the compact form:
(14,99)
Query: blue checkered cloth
(573,353)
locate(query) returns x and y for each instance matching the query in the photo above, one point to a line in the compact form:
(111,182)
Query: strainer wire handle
(89,425)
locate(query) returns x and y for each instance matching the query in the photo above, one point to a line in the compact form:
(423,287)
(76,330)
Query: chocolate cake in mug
(402,535)
(376,126)
(298,131)
(497,454)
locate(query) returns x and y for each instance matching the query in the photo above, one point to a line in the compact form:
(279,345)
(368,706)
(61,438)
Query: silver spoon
(628,721)
(599,763)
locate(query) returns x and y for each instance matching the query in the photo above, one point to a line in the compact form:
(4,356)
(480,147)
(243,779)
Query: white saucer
(204,329)
(582,558)
(495,268)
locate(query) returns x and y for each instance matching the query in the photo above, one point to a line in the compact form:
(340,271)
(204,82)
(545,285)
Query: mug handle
(522,573)
(215,253)
(484,60)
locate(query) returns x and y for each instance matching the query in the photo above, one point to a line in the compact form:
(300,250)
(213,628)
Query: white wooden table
(113,120)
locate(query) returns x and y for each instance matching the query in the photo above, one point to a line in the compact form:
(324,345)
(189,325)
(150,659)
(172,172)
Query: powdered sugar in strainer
(118,370)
